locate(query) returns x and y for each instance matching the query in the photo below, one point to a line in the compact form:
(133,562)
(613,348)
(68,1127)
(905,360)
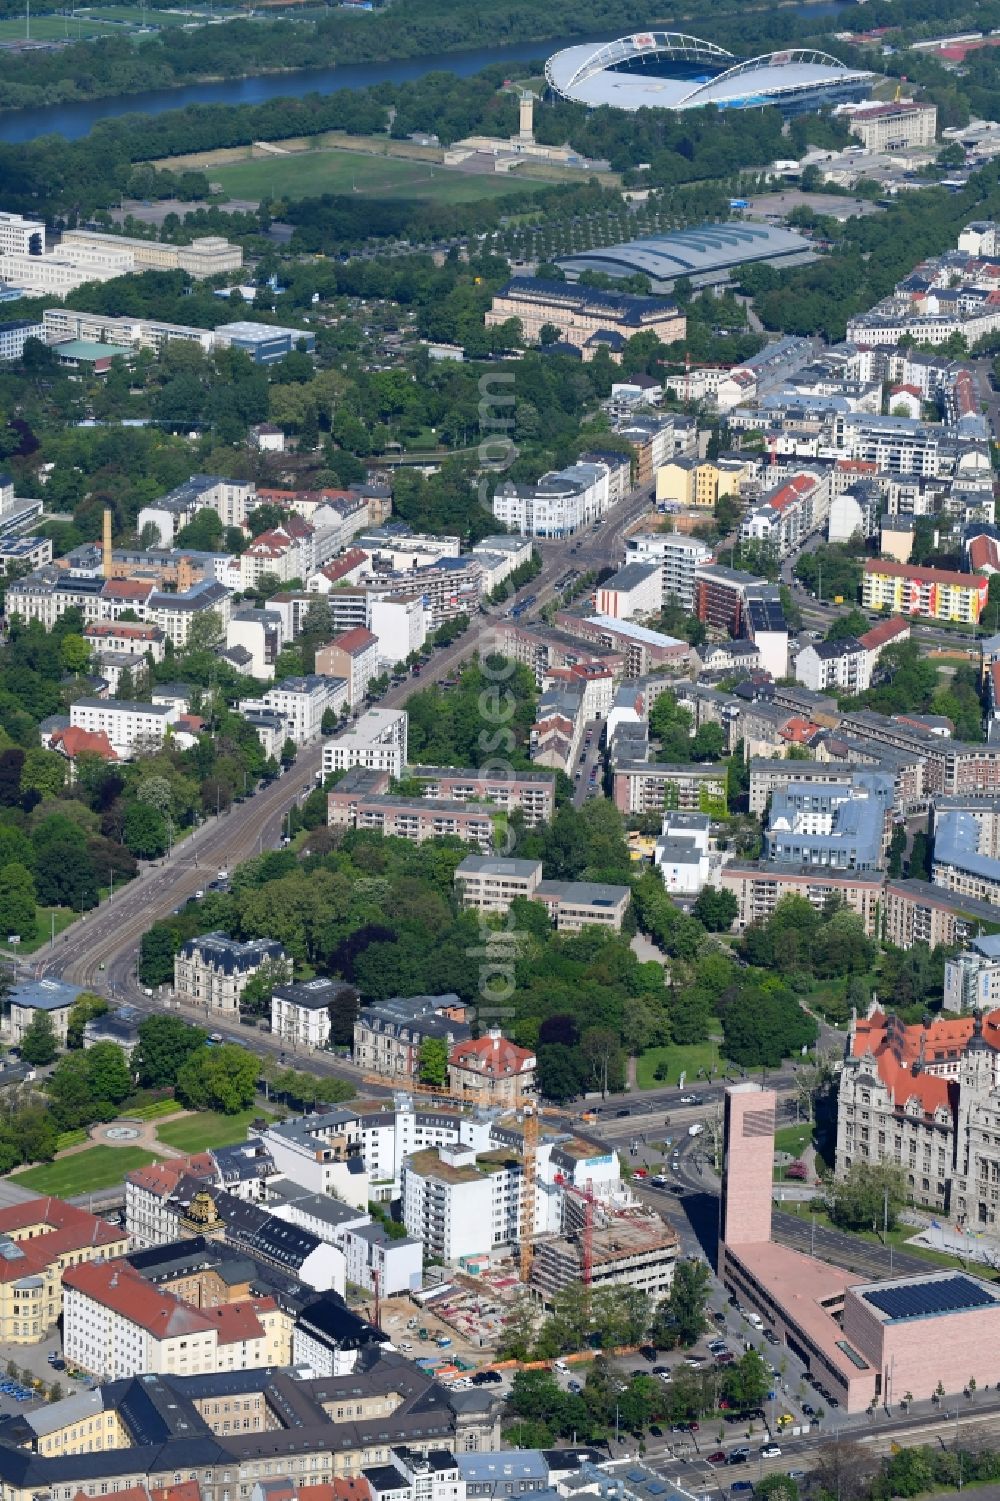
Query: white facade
(13,336)
(678,557)
(20,236)
(681,853)
(302,703)
(844,665)
(635,591)
(401,628)
(299,1024)
(377,741)
(398,1265)
(130,727)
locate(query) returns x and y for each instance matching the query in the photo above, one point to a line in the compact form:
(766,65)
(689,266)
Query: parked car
(718,1458)
(770,1451)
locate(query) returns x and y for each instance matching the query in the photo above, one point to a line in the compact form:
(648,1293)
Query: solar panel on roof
(917,1300)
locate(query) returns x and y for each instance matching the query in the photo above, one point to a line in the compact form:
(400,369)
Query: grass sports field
(307,174)
(84,1172)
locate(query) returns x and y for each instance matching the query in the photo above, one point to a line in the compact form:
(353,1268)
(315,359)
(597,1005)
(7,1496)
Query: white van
(754,1319)
(561,1366)
(696,1129)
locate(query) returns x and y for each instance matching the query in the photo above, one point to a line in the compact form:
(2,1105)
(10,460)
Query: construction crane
(528,1191)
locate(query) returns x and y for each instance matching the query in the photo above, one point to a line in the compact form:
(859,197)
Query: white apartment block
(300,1014)
(491,882)
(397,1266)
(302,703)
(14,335)
(132,728)
(678,557)
(377,741)
(561,502)
(400,625)
(63,323)
(231,500)
(20,236)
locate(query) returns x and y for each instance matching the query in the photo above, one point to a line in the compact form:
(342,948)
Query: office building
(902,124)
(581,312)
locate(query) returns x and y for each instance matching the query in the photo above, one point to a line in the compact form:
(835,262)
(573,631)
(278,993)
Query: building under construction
(624,1250)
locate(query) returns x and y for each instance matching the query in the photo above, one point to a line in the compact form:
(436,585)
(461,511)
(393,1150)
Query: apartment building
(231,500)
(785,516)
(678,557)
(461,1204)
(491,1070)
(21,236)
(383,1265)
(532,792)
(301,704)
(844,827)
(116,1324)
(415,818)
(285,552)
(41,1239)
(905,589)
(387,1036)
(966,859)
(638,648)
(635,591)
(175,614)
(563,500)
(377,741)
(131,728)
(300,1014)
(843,665)
(213,970)
(491,882)
(575,905)
(128,638)
(640,1252)
(581,312)
(720,595)
(920,912)
(14,334)
(759,887)
(640,786)
(353,656)
(972,977)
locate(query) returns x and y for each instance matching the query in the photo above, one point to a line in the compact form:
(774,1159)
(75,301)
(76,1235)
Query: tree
(165,1044)
(108,1073)
(843,1468)
(256,997)
(64,873)
(221,1078)
(329,722)
(781,1487)
(86,1006)
(560,1072)
(344,1010)
(157,948)
(39,1044)
(870,1194)
(680,1320)
(288,752)
(17,901)
(206,633)
(145,831)
(43,772)
(433,1061)
(716,908)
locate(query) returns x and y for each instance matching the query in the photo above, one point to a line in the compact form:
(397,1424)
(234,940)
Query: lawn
(54,28)
(84,1172)
(700,1055)
(196,1133)
(302,174)
(793,1139)
(43,930)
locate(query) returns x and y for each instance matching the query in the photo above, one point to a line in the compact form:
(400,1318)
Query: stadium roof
(706,254)
(609,74)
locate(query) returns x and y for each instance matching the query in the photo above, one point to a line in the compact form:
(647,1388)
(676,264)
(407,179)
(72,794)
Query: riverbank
(75,119)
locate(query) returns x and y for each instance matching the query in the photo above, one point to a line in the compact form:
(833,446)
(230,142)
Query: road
(101,949)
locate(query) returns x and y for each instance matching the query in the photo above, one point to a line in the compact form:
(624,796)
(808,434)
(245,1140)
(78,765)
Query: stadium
(669,70)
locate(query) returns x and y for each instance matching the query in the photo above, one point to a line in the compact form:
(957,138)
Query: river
(76,120)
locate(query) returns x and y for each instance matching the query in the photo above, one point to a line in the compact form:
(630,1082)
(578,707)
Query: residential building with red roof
(786,515)
(116,1324)
(492,1070)
(149,1215)
(40,1240)
(75,741)
(353,656)
(939,593)
(983,553)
